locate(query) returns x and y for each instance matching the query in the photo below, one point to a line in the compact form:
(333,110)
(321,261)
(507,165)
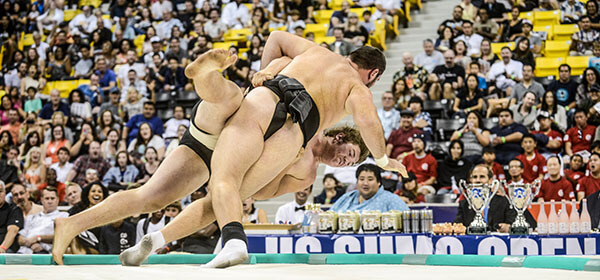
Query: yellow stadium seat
(70,14)
(323,16)
(545,28)
(238,35)
(546,17)
(108,17)
(547,66)
(64,87)
(497,47)
(319,29)
(557,48)
(224,45)
(95,3)
(377,39)
(359,12)
(417,3)
(329,40)
(523,15)
(337,4)
(564,32)
(578,64)
(139,40)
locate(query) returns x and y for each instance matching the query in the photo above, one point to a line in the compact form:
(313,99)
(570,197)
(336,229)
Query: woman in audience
(144,20)
(31,140)
(488,58)
(6,141)
(17,101)
(106,122)
(145,139)
(175,142)
(473,135)
(408,193)
(57,141)
(58,118)
(446,40)
(147,45)
(34,169)
(122,175)
(332,190)
(59,65)
(81,110)
(111,146)
(255,52)
(278,14)
(108,54)
(251,214)
(402,93)
(461,58)
(87,241)
(149,167)
(523,53)
(121,57)
(453,168)
(260,21)
(590,78)
(513,27)
(33,58)
(355,32)
(32,79)
(96,42)
(558,113)
(84,139)
(4,107)
(468,99)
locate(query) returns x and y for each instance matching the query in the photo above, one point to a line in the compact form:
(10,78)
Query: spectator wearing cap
(130,131)
(11,221)
(340,46)
(590,183)
(422,119)
(215,28)
(388,115)
(582,41)
(156,50)
(550,141)
(399,144)
(555,186)
(535,41)
(422,164)
(525,111)
(534,164)
(369,194)
(571,11)
(472,40)
(579,138)
(236,15)
(113,105)
(506,137)
(37,234)
(408,193)
(293,211)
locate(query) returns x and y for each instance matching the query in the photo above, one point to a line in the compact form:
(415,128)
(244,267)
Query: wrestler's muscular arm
(270,71)
(283,44)
(360,104)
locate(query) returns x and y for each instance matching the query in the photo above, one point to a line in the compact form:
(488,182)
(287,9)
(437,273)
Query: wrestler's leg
(180,174)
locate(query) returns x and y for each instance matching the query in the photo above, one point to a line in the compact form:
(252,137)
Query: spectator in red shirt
(580,137)
(422,164)
(555,187)
(51,181)
(591,183)
(576,170)
(399,143)
(489,160)
(534,164)
(550,140)
(408,193)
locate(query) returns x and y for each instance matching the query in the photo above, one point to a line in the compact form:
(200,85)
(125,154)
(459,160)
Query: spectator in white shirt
(51,18)
(293,212)
(172,125)
(159,7)
(132,64)
(134,82)
(430,58)
(236,15)
(506,73)
(388,115)
(386,9)
(39,45)
(37,234)
(63,166)
(164,28)
(84,22)
(473,40)
(215,28)
(154,223)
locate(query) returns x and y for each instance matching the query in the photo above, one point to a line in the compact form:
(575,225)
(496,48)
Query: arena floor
(286,271)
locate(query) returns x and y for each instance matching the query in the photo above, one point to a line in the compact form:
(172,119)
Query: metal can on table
(406,228)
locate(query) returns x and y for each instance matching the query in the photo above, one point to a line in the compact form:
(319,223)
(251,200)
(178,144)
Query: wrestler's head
(370,62)
(344,147)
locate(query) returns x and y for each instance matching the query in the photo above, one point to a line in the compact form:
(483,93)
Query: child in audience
(33,103)
(489,156)
(534,164)
(595,60)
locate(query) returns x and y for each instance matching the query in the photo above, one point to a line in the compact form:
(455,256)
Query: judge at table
(500,215)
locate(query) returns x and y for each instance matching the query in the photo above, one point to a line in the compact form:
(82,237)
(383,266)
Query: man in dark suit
(340,46)
(500,214)
(593,207)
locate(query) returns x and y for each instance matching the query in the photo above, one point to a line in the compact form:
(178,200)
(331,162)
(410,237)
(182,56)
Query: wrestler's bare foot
(64,232)
(211,60)
(234,252)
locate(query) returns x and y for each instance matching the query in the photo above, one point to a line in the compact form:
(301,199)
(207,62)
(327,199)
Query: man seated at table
(499,216)
(369,193)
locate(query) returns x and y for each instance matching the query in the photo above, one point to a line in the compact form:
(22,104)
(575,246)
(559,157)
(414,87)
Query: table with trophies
(414,232)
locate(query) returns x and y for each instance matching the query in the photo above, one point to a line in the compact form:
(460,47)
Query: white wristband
(382,161)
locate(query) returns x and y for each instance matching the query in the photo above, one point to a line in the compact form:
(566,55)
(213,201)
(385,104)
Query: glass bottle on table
(574,219)
(586,221)
(542,220)
(563,218)
(552,219)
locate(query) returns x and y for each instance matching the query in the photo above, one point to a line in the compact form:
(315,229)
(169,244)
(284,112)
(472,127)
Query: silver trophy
(478,196)
(520,196)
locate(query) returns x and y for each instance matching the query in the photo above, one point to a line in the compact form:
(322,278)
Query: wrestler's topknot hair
(368,58)
(351,135)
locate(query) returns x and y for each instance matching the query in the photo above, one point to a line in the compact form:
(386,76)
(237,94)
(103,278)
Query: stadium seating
(547,66)
(546,17)
(238,35)
(557,48)
(318,29)
(497,47)
(445,128)
(564,31)
(578,64)
(548,29)
(70,14)
(64,87)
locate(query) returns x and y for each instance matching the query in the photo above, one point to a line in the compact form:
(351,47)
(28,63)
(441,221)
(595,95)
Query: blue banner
(585,244)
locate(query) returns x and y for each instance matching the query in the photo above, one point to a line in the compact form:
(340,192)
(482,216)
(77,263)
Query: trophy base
(477,230)
(519,230)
